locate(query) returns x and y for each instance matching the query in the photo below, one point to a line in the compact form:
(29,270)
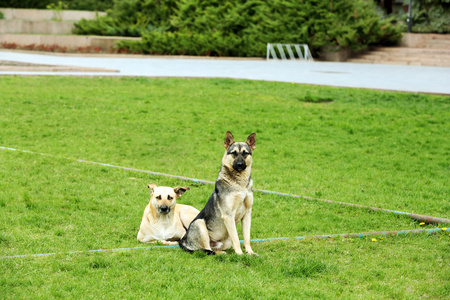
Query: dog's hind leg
(187,214)
(196,238)
(169,243)
(220,246)
(145,237)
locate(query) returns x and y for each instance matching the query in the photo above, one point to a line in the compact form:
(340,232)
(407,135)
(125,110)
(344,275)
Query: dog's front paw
(252,253)
(249,250)
(239,252)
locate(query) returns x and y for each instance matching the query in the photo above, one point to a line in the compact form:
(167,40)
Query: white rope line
(429,231)
(422,218)
(344,235)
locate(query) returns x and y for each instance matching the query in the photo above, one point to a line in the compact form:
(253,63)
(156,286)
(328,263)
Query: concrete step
(426,55)
(404,59)
(8,40)
(425,40)
(434,45)
(42,21)
(36,27)
(416,61)
(396,62)
(417,50)
(47,14)
(391,56)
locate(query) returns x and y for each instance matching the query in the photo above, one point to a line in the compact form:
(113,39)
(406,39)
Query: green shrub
(2,16)
(57,10)
(242,27)
(431,16)
(428,16)
(93,5)
(129,18)
(184,43)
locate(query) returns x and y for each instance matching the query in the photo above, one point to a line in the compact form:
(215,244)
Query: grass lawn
(381,149)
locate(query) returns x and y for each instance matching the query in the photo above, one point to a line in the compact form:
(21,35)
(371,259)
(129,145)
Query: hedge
(240,27)
(430,16)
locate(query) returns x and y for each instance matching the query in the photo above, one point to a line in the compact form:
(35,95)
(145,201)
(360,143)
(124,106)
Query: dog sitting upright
(164,220)
(214,229)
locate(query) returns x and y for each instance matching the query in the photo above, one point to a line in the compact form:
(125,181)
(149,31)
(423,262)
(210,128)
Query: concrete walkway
(384,77)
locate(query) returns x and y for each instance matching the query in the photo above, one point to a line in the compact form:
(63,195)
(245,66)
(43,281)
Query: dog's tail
(183,246)
(209,252)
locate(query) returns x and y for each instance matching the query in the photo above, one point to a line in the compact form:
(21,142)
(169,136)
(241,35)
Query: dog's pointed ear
(251,141)
(179,190)
(229,140)
(152,187)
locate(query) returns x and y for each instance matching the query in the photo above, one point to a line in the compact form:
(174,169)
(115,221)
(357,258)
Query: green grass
(374,148)
(57,205)
(415,267)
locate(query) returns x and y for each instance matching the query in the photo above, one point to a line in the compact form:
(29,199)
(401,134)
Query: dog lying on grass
(164,220)
(214,229)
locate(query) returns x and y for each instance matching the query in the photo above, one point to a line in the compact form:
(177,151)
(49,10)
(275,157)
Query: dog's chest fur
(243,204)
(239,193)
(164,228)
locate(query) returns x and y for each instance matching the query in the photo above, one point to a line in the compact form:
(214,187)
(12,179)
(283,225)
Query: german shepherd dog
(214,228)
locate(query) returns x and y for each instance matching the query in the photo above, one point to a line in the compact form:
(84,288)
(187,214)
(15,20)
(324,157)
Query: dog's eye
(169,197)
(158,197)
(244,154)
(234,153)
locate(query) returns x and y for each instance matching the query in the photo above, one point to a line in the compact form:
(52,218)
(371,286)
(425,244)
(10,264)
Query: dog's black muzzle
(164,209)
(239,165)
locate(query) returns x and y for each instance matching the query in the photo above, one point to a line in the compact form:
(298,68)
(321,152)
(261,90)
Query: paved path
(384,77)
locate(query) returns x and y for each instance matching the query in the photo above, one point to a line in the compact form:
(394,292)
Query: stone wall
(35,27)
(47,14)
(69,41)
(24,27)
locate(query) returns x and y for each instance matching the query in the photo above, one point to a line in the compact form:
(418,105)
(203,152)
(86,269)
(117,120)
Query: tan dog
(164,220)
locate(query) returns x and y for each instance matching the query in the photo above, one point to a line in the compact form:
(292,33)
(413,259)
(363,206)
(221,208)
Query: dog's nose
(164,208)
(240,165)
